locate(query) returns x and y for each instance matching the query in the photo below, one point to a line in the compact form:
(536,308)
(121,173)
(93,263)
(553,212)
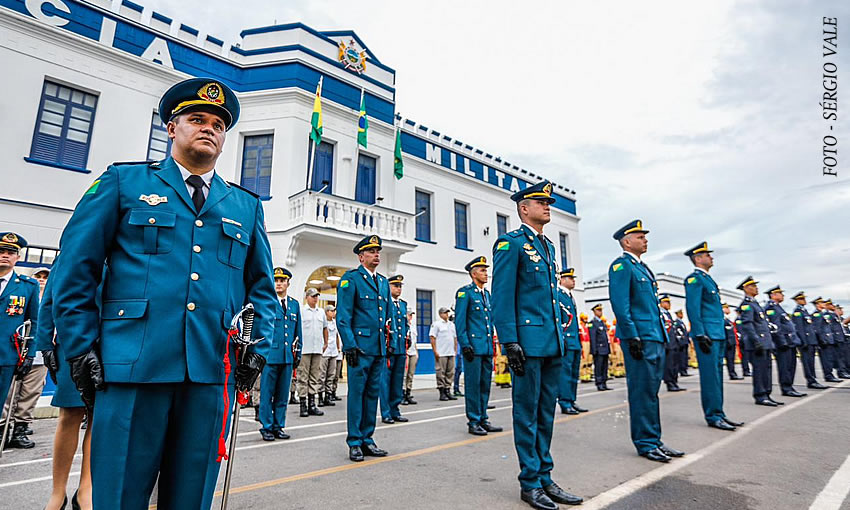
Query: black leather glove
(635,348)
(516,358)
(704,344)
(353,356)
(783,348)
(87,374)
(248,371)
(24,368)
(759,350)
(51,363)
(468,354)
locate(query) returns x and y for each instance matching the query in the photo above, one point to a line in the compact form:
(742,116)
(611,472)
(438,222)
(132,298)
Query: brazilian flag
(316,120)
(398,164)
(363,121)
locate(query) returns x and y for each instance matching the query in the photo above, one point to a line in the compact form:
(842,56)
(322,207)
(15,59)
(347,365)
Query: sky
(701,119)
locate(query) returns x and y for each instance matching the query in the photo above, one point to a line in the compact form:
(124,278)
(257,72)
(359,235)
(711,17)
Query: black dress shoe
(355,453)
(569,410)
(733,423)
(280,434)
(747,374)
(656,455)
(600,388)
(737,377)
(476,430)
(816,386)
(537,498)
(28,431)
(674,388)
(720,424)
(388,421)
(765,402)
(491,406)
(776,402)
(559,495)
(793,393)
(670,452)
(489,427)
(579,409)
(832,379)
(267,436)
(401,419)
(372,450)
(606,388)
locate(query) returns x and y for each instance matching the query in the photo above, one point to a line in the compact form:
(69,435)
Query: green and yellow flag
(398,164)
(363,121)
(316,120)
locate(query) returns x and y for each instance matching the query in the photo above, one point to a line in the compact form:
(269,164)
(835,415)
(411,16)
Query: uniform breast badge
(153,199)
(16,305)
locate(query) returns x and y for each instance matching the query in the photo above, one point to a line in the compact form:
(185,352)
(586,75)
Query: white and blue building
(82,84)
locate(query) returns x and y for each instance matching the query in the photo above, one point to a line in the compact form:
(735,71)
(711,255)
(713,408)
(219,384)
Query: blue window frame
(501,224)
(461,226)
(63,127)
(159,144)
(324,169)
(257,164)
(423,220)
(563,242)
(424,314)
(364,190)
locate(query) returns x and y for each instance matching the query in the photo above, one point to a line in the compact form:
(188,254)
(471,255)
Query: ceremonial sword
(21,339)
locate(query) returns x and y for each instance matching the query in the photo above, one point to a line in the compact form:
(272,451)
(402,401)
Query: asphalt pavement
(789,457)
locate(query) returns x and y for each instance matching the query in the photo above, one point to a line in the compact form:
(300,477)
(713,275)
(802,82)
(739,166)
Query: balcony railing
(323,210)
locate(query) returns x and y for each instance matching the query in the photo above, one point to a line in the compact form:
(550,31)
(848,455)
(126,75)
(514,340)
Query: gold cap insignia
(211,92)
(10,238)
(373,239)
(547,188)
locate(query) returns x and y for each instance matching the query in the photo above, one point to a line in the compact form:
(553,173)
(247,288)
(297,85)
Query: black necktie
(198,195)
(283,304)
(544,243)
(375,279)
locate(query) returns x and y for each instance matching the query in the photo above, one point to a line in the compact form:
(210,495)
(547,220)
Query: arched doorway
(325,280)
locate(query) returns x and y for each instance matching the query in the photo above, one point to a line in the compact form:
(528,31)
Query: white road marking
(635,484)
(33,480)
(835,492)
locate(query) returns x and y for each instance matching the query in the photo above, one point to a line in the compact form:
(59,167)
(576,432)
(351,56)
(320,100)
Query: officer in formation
(599,348)
(149,361)
(392,382)
(705,312)
(474,325)
(363,309)
(826,344)
(640,326)
(808,341)
(568,387)
(731,344)
(680,331)
(19,295)
(528,322)
(671,349)
(756,338)
(284,353)
(785,340)
(842,360)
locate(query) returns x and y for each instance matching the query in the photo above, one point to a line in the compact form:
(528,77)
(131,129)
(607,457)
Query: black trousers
(762,374)
(841,357)
(730,360)
(682,355)
(807,359)
(746,361)
(600,369)
(671,367)
(786,365)
(827,352)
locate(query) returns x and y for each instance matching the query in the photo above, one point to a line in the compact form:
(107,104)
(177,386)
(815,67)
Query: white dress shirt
(4,280)
(411,351)
(332,351)
(444,332)
(207,177)
(313,322)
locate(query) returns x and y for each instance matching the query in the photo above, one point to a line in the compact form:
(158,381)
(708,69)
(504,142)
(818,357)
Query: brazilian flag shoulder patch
(797,314)
(343,283)
(745,307)
(771,312)
(93,188)
(692,279)
(738,322)
(590,325)
(816,314)
(503,246)
(617,267)
(461,294)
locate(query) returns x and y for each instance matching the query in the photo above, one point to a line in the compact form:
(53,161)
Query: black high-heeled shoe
(64,503)
(75,505)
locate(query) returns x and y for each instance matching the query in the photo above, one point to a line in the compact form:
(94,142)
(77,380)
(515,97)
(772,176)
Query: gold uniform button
(195,276)
(120,313)
(199,223)
(196,249)
(190,306)
(151,220)
(238,236)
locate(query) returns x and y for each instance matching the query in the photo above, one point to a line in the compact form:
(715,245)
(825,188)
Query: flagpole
(312,165)
(357,140)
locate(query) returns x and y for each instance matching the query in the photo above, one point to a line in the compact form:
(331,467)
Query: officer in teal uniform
(634,297)
(392,381)
(527,318)
(363,312)
(186,251)
(568,386)
(284,353)
(784,336)
(705,311)
(19,296)
(474,325)
(756,338)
